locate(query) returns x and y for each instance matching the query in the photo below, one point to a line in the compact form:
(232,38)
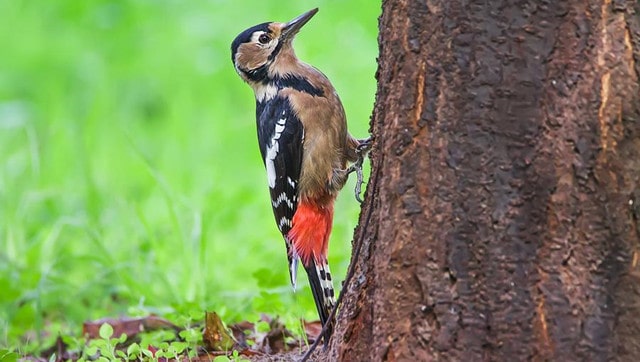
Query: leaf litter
(245,339)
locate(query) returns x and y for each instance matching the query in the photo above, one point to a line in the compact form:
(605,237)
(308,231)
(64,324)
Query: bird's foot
(364,146)
(362,150)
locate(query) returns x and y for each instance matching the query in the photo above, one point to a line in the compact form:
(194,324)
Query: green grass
(130,178)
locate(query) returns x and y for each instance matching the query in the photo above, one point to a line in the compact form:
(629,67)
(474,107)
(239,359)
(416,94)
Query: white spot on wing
(290,181)
(284,221)
(282,198)
(272,152)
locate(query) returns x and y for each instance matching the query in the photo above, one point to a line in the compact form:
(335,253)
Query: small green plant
(105,347)
(152,346)
(192,337)
(8,356)
(235,357)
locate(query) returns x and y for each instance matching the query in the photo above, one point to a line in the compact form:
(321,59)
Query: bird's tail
(309,236)
(322,289)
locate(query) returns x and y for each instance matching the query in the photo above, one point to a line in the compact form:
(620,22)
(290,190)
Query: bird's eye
(264,39)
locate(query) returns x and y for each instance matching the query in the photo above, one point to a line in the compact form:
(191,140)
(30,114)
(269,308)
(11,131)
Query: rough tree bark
(501,219)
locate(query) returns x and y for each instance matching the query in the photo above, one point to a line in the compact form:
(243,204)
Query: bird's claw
(357,167)
(362,150)
(364,145)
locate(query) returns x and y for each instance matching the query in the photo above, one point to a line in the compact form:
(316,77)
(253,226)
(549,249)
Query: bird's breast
(325,136)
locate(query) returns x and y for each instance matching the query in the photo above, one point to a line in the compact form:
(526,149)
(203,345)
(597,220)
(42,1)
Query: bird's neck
(300,77)
(265,91)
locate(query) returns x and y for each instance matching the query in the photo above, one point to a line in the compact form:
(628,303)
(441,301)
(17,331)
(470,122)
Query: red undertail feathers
(311,230)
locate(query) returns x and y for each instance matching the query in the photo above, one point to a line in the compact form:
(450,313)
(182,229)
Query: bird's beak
(290,29)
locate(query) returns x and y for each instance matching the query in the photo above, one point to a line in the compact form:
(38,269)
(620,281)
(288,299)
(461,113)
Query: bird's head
(256,51)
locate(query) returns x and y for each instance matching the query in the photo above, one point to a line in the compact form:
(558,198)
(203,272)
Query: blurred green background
(130,178)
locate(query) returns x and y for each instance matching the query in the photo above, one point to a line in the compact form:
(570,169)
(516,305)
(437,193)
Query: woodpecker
(306,148)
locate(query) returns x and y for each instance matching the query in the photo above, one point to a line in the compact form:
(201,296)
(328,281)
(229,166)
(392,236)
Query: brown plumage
(303,138)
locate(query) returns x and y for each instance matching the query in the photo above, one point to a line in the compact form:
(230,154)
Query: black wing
(280,135)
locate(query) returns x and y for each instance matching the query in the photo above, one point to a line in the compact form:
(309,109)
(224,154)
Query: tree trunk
(501,219)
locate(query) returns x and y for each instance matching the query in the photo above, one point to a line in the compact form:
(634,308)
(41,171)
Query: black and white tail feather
(322,289)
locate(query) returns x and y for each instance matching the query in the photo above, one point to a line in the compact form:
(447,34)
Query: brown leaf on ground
(128,326)
(312,329)
(243,332)
(274,342)
(216,336)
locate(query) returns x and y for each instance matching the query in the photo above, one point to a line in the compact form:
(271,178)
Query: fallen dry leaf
(215,336)
(128,326)
(242,332)
(312,329)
